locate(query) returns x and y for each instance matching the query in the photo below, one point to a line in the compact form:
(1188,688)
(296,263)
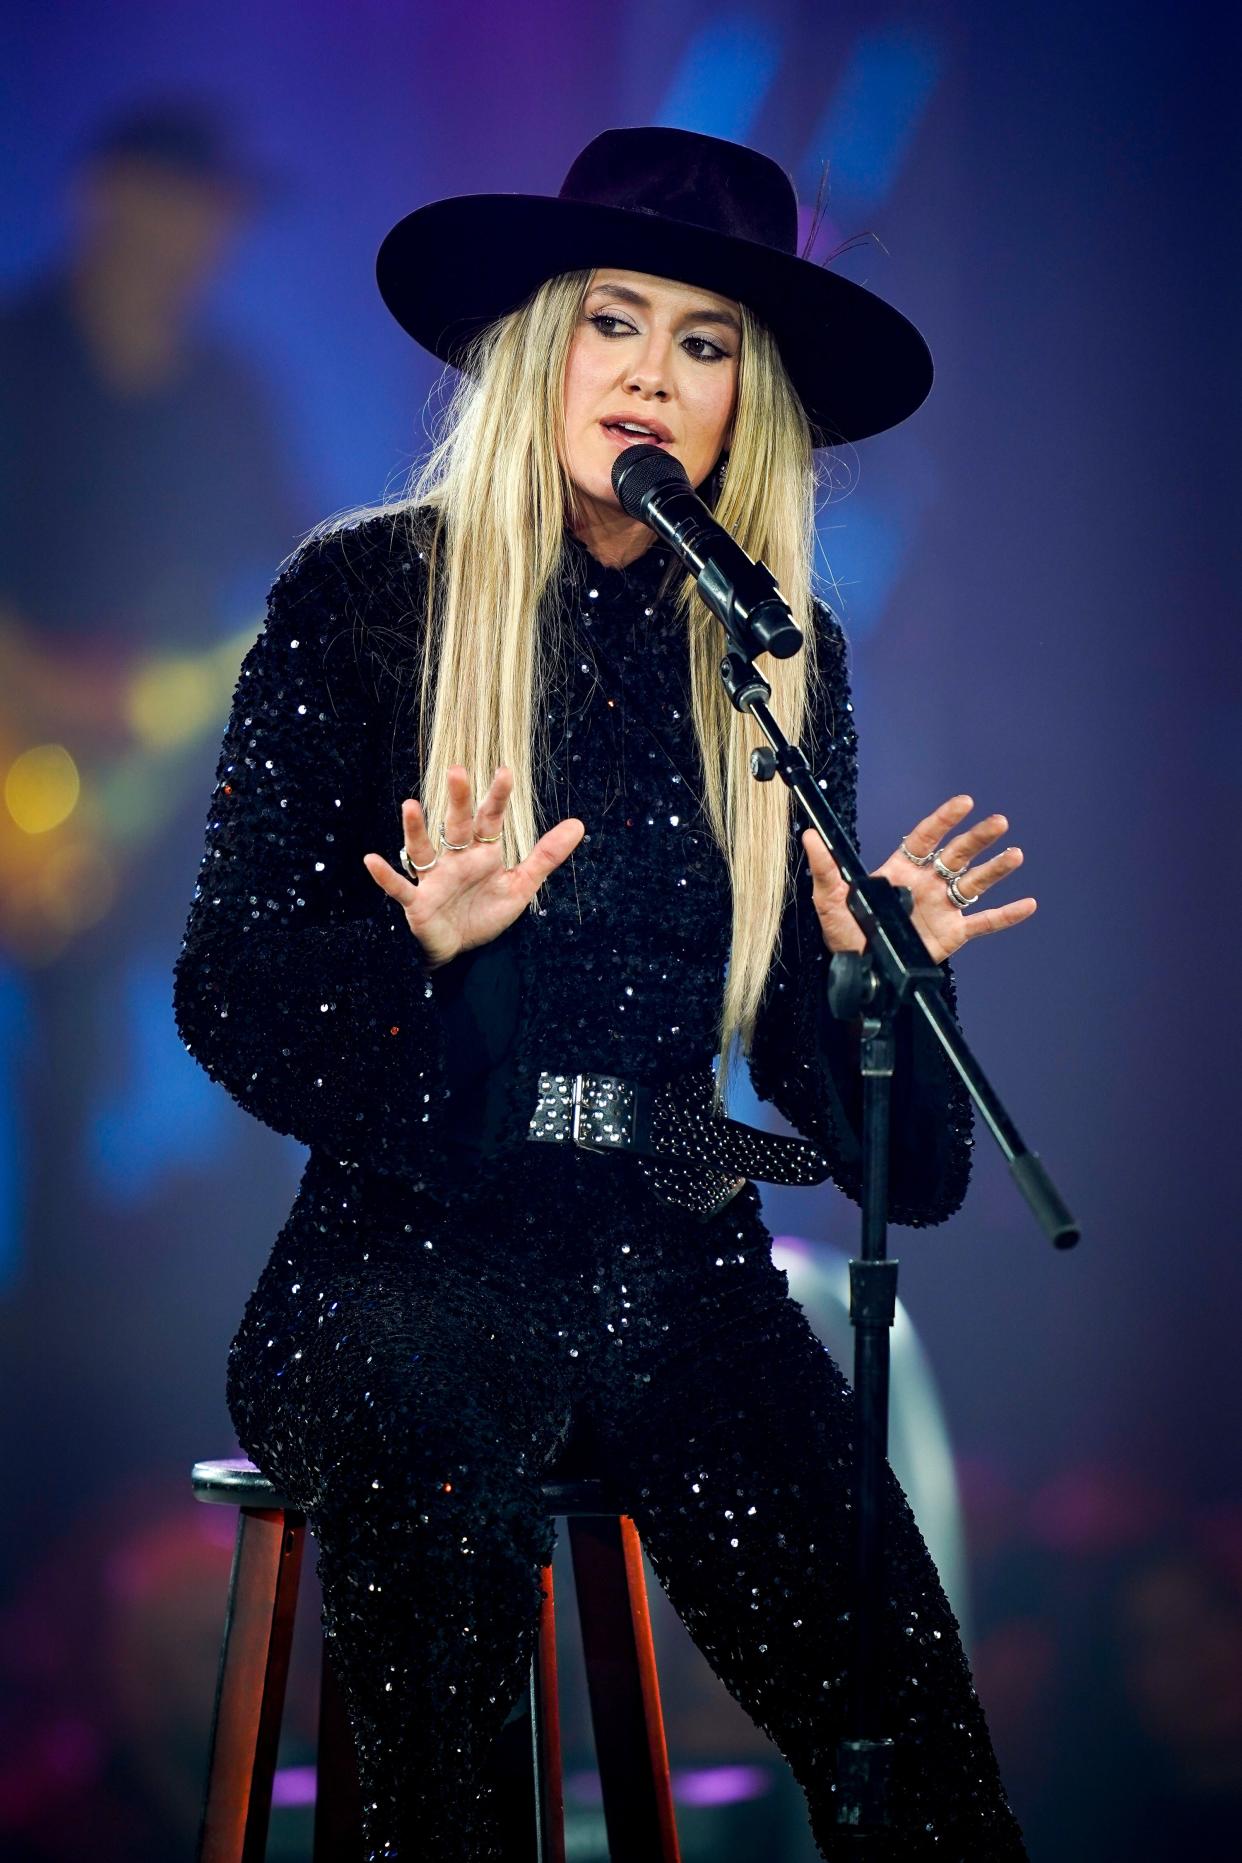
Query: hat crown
(720,186)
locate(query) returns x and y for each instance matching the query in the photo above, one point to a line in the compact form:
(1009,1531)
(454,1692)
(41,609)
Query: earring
(716,482)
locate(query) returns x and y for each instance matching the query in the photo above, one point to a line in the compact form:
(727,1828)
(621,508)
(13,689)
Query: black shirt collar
(640,579)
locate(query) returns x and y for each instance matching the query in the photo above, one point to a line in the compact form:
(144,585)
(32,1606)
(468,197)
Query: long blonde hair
(496,490)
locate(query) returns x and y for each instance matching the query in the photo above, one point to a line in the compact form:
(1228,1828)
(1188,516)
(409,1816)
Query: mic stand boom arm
(745,597)
(897,955)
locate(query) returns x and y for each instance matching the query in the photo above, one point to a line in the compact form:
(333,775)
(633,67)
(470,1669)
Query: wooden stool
(526,1767)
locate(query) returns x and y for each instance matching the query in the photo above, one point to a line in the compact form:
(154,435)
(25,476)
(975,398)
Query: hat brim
(451,268)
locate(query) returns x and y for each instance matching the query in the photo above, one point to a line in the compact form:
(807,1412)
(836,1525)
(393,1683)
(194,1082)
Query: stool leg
(524,1766)
(624,1690)
(546,1733)
(250,1692)
(338,1800)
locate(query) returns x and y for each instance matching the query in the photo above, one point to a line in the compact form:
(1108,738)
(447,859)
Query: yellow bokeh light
(171,701)
(41,788)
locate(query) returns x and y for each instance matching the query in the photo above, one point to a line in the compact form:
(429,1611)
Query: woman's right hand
(468,898)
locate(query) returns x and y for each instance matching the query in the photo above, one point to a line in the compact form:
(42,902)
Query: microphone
(654,487)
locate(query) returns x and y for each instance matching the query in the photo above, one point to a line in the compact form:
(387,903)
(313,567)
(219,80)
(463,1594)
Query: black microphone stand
(893,970)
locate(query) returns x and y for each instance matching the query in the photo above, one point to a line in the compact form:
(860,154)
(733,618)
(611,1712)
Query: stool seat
(236,1482)
(621,1679)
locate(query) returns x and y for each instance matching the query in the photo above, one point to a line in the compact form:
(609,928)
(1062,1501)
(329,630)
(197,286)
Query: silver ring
(920,860)
(947,873)
(412,867)
(454,847)
(960,898)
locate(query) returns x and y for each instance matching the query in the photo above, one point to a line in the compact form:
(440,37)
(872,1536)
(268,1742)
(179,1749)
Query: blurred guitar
(99,748)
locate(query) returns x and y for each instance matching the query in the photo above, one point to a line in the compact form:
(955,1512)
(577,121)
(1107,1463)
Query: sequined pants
(408,1387)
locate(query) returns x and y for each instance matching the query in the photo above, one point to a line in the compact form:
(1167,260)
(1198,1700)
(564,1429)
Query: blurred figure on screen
(145,493)
(142,487)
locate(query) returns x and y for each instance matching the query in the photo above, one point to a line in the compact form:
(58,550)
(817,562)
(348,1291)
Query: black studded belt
(699,1160)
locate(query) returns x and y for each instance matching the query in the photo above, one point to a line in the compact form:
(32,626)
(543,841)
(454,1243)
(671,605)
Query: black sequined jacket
(299,985)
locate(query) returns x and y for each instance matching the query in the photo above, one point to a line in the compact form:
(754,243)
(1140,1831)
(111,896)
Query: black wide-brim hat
(676,205)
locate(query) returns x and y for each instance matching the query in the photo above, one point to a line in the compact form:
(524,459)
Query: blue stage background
(1038,577)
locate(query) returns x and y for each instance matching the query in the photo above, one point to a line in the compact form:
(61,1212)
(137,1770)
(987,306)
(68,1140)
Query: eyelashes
(600,318)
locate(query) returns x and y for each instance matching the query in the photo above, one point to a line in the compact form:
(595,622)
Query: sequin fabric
(433,1322)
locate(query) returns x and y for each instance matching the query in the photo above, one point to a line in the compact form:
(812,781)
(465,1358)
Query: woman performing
(509,685)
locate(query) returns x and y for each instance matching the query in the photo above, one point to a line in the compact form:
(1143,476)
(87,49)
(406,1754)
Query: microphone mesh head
(641,470)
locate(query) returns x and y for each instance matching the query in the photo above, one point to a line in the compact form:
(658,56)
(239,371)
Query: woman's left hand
(942,924)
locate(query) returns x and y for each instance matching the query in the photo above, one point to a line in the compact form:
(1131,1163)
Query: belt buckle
(605,1112)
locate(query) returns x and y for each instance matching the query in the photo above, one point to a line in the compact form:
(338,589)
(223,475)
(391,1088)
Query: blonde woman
(507,677)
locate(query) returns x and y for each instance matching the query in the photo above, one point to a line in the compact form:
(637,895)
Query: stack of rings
(950,875)
(412,867)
